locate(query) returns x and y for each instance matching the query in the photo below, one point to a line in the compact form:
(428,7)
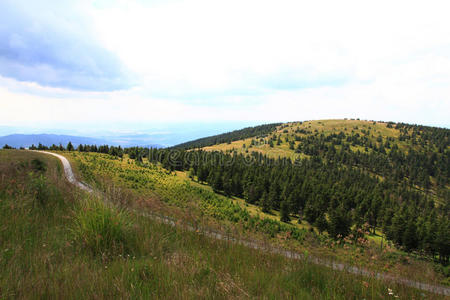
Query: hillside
(59,242)
(427,147)
(339,176)
(229,136)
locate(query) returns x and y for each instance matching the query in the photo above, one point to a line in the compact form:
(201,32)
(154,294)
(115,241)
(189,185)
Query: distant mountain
(26,140)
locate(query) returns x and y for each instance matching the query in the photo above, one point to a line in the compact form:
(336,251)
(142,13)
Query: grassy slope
(322,126)
(57,242)
(326,127)
(151,187)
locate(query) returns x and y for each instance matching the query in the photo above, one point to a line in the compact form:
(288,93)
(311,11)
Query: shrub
(38,165)
(103,230)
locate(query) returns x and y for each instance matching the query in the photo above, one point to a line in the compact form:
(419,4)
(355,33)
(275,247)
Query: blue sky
(135,65)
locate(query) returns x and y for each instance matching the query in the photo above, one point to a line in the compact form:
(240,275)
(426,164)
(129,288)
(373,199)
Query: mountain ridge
(46,139)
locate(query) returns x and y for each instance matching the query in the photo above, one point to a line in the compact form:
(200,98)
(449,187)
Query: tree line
(229,136)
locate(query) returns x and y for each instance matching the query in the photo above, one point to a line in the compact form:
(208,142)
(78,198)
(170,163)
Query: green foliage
(265,202)
(321,223)
(340,223)
(103,230)
(285,212)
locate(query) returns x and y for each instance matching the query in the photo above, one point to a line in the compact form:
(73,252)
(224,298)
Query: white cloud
(210,45)
(259,61)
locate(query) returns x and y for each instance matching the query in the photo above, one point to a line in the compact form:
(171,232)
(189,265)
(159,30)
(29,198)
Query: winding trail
(68,171)
(437,289)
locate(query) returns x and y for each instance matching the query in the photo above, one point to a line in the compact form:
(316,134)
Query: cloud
(385,99)
(51,43)
(203,48)
(210,61)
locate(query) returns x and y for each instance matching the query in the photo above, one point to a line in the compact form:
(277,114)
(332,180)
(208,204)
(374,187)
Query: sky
(137,66)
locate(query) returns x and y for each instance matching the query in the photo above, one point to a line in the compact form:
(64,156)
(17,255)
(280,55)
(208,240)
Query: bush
(38,165)
(103,230)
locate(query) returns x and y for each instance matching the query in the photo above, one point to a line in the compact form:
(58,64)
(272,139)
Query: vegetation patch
(103,230)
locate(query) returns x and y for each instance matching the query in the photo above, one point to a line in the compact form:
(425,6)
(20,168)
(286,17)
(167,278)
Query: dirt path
(68,171)
(441,290)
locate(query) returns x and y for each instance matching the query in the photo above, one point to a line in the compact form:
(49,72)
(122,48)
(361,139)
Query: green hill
(419,154)
(339,176)
(229,136)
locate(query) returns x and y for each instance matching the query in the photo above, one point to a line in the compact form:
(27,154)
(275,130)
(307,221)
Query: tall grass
(103,230)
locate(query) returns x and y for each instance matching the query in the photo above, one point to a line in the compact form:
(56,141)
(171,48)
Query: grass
(103,230)
(79,247)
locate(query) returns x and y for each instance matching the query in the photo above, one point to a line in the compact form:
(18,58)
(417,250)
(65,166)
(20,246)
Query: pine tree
(203,174)
(409,238)
(285,209)
(340,223)
(311,213)
(397,228)
(274,195)
(69,146)
(265,203)
(217,182)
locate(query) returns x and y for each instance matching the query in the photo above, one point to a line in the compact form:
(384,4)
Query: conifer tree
(340,223)
(285,209)
(265,202)
(321,223)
